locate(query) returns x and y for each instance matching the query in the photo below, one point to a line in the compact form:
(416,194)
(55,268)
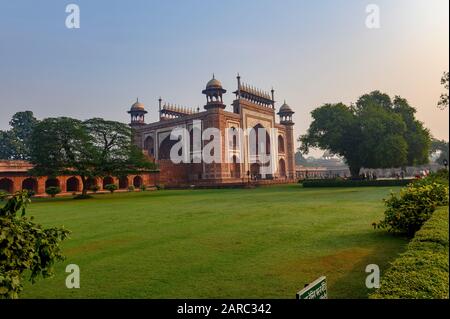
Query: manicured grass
(232,243)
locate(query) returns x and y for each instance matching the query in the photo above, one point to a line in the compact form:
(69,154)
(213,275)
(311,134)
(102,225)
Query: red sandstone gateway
(252,109)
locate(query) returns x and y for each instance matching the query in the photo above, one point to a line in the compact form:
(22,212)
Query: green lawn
(232,243)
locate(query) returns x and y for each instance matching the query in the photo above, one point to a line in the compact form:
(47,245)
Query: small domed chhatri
(137,106)
(214,84)
(285,109)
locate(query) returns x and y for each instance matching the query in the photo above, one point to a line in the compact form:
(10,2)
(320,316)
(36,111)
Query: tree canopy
(376,132)
(443,102)
(94,148)
(15,143)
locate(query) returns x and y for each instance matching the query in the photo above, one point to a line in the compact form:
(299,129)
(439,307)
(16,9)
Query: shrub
(3,194)
(353,183)
(25,247)
(422,271)
(53,191)
(407,211)
(111,187)
(131,188)
(143,187)
(160,186)
(95,188)
(441,177)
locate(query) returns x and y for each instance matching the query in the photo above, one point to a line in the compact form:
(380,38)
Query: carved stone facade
(252,109)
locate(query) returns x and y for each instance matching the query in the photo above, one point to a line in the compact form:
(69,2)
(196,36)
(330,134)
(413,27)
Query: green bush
(26,247)
(111,187)
(353,183)
(131,188)
(441,177)
(53,191)
(159,186)
(422,271)
(143,187)
(407,211)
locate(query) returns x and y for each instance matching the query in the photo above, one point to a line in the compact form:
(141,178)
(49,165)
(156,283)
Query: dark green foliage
(15,143)
(441,177)
(25,246)
(442,147)
(407,211)
(143,187)
(94,148)
(375,133)
(422,271)
(111,187)
(53,191)
(443,101)
(131,188)
(353,183)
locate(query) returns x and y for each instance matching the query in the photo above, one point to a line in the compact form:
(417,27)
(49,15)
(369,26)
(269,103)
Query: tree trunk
(84,182)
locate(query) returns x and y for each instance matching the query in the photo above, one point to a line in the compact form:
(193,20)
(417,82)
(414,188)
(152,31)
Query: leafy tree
(373,133)
(443,102)
(94,148)
(15,143)
(25,246)
(442,147)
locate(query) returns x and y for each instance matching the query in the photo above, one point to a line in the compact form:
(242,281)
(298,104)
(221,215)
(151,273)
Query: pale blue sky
(312,52)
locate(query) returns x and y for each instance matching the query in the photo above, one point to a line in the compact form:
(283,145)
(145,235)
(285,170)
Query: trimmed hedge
(422,271)
(354,183)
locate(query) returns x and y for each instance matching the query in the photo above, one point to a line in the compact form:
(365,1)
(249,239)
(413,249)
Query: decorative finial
(214,76)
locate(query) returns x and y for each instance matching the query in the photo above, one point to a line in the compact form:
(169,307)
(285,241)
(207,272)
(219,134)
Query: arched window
(30,184)
(257,142)
(52,182)
(123,182)
(280,144)
(149,146)
(137,181)
(107,181)
(6,185)
(73,184)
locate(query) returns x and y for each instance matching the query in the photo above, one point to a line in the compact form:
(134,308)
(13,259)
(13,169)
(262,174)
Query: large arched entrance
(137,181)
(6,185)
(51,182)
(282,168)
(165,147)
(30,184)
(73,184)
(258,143)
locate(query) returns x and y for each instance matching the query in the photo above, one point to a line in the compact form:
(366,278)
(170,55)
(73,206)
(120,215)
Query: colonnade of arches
(67,184)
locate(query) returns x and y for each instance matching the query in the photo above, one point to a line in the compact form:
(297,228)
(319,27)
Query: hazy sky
(311,52)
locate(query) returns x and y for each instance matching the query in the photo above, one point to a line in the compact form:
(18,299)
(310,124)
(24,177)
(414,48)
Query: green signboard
(315,290)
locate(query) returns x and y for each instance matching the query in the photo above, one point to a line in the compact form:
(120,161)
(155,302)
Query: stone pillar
(290,151)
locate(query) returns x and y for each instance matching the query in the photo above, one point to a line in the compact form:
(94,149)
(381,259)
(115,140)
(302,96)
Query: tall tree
(442,147)
(94,148)
(373,133)
(443,102)
(15,143)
